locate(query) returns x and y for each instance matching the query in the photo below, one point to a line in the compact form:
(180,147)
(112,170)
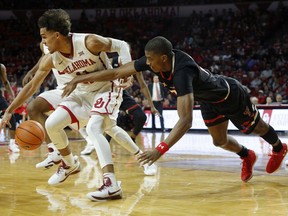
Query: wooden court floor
(194,178)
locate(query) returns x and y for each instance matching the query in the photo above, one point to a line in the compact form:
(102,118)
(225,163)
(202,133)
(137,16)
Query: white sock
(12,142)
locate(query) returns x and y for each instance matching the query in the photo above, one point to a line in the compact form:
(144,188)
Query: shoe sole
(86,153)
(252,170)
(99,199)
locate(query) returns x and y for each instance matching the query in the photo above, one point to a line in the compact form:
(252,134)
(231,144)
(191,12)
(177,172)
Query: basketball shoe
(89,148)
(64,171)
(107,191)
(276,159)
(248,166)
(53,157)
(13,147)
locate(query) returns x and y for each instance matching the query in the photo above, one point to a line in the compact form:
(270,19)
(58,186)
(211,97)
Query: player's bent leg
(13,147)
(55,125)
(222,140)
(110,188)
(37,110)
(139,119)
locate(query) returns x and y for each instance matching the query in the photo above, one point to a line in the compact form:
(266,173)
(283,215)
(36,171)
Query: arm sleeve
(140,64)
(123,50)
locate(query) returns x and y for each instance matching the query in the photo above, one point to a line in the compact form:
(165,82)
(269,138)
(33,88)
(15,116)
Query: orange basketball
(29,135)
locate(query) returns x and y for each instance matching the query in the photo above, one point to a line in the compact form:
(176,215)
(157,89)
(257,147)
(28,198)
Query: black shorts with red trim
(128,104)
(3,104)
(237,108)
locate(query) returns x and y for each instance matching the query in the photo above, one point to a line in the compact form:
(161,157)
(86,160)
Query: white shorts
(81,106)
(53,97)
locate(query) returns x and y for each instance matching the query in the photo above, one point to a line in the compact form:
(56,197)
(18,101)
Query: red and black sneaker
(248,166)
(276,159)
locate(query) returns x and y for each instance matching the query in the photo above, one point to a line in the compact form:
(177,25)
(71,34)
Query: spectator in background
(261,97)
(158,94)
(269,101)
(278,99)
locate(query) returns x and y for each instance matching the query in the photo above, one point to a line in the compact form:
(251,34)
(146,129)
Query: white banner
(277,118)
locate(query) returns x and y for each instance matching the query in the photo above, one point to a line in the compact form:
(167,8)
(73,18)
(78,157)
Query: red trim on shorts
(209,121)
(132,107)
(50,105)
(72,116)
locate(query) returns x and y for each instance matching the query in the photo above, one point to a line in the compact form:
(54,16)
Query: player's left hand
(127,83)
(149,157)
(6,120)
(68,89)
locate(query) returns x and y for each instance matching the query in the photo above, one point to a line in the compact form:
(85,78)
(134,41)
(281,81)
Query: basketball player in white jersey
(44,104)
(78,54)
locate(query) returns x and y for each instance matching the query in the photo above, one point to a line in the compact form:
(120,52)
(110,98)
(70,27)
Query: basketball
(29,135)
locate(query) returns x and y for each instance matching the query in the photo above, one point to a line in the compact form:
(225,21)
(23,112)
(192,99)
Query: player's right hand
(6,120)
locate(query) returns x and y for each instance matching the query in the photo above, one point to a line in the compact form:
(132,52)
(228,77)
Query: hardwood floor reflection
(194,178)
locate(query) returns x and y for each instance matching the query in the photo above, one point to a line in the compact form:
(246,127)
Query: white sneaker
(64,171)
(13,147)
(13,157)
(89,148)
(150,170)
(106,191)
(54,157)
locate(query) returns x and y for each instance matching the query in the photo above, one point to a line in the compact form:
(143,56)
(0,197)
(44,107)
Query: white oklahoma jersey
(61,79)
(54,97)
(87,98)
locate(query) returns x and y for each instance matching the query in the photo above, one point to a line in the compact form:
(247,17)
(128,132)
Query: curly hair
(57,20)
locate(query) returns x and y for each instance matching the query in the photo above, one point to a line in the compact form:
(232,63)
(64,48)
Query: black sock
(278,147)
(243,152)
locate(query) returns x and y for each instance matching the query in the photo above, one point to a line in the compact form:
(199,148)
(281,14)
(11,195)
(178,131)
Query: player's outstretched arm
(105,75)
(28,90)
(29,75)
(184,108)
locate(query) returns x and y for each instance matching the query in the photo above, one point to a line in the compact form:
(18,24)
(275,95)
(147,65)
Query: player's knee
(49,125)
(38,105)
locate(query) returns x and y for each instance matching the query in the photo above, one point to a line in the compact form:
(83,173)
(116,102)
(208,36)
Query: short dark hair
(56,20)
(159,45)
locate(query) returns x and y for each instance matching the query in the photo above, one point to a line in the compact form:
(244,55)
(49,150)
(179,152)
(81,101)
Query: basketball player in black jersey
(221,99)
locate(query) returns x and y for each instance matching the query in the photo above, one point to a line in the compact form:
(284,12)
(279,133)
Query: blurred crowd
(250,46)
(76,4)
